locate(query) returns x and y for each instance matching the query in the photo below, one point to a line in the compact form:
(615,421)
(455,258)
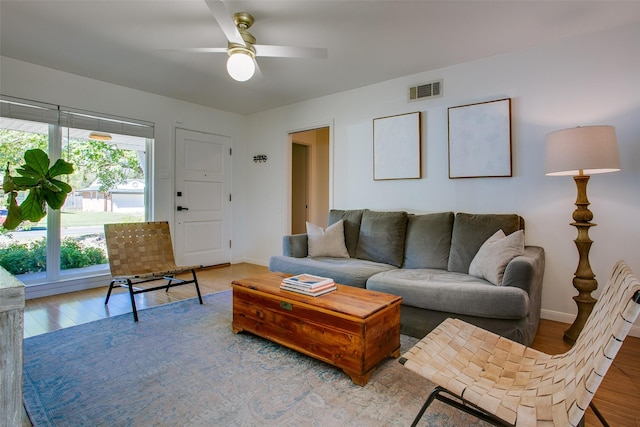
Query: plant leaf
(54,199)
(8,185)
(14,215)
(25,182)
(38,179)
(60,167)
(50,186)
(38,160)
(33,208)
(62,185)
(27,170)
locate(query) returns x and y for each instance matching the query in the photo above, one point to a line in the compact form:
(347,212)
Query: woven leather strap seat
(141,252)
(507,383)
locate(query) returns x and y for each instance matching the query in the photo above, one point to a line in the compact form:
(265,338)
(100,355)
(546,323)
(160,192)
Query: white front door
(202,199)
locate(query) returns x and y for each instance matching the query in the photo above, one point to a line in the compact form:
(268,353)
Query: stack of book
(308,284)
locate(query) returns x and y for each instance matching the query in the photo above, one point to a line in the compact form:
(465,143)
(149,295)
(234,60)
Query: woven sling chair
(141,252)
(508,384)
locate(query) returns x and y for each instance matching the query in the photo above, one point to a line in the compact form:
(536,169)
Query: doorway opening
(309,178)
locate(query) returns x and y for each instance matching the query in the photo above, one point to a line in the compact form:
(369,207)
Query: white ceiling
(368,41)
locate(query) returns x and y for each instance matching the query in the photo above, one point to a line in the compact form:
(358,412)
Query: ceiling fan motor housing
(243,20)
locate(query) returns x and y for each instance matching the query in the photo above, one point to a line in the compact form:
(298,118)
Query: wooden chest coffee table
(353,329)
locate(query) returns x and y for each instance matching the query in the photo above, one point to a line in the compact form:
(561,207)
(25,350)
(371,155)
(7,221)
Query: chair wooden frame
(508,384)
(142,252)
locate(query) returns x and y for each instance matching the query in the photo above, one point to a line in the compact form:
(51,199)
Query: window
(110,184)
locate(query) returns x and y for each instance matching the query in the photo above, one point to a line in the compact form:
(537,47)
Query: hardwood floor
(61,311)
(618,397)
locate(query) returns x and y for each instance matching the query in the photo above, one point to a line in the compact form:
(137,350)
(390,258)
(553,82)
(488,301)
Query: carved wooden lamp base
(584,279)
(585,305)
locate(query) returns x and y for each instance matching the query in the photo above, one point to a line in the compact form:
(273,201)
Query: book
(307,289)
(307,280)
(307,292)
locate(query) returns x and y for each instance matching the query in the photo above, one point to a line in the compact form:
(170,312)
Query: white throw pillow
(494,255)
(327,242)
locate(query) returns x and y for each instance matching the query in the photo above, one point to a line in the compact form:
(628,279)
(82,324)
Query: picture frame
(480,140)
(397,152)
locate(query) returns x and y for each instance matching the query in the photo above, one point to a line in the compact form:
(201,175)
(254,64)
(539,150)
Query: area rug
(181,365)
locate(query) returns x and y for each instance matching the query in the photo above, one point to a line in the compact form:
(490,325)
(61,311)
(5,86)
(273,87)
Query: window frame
(54,280)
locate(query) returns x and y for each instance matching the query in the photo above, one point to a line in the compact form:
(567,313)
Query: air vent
(425,90)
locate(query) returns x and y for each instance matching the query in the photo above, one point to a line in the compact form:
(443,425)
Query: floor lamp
(582,151)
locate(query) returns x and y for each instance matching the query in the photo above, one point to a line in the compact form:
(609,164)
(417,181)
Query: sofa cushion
(470,231)
(494,255)
(352,220)
(346,271)
(382,237)
(455,293)
(326,242)
(428,240)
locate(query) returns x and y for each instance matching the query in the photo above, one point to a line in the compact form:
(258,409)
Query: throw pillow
(382,237)
(494,255)
(352,220)
(428,240)
(327,242)
(470,231)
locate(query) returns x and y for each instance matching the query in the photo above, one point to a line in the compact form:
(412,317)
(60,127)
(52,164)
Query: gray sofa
(426,260)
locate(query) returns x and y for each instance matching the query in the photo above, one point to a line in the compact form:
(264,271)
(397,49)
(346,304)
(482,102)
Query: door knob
(180,208)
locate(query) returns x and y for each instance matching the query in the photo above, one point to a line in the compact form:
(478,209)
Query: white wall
(33,82)
(586,81)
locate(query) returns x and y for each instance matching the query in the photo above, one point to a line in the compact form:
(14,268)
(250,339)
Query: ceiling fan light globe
(240,66)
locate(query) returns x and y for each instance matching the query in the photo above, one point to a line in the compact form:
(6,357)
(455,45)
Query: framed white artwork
(480,140)
(397,145)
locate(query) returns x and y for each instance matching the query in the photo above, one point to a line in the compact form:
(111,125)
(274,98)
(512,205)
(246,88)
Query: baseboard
(569,318)
(253,261)
(71,285)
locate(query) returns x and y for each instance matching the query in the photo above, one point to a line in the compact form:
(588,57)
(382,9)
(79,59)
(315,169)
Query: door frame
(330,126)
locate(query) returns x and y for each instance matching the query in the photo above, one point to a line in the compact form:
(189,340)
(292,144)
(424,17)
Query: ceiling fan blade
(225,21)
(197,49)
(291,51)
(258,73)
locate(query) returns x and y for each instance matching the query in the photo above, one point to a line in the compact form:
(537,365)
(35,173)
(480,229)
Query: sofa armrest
(526,271)
(295,245)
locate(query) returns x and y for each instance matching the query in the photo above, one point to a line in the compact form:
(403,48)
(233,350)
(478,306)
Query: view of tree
(98,159)
(13,144)
(92,159)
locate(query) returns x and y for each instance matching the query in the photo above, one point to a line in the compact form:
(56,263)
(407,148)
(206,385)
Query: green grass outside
(80,218)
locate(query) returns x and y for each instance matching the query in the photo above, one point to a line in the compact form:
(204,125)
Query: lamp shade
(582,150)
(240,66)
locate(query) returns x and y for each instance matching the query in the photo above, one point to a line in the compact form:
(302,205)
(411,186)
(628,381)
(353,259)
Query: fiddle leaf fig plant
(36,177)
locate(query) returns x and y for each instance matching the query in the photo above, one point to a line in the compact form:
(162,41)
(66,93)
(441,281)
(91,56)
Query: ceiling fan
(242,48)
